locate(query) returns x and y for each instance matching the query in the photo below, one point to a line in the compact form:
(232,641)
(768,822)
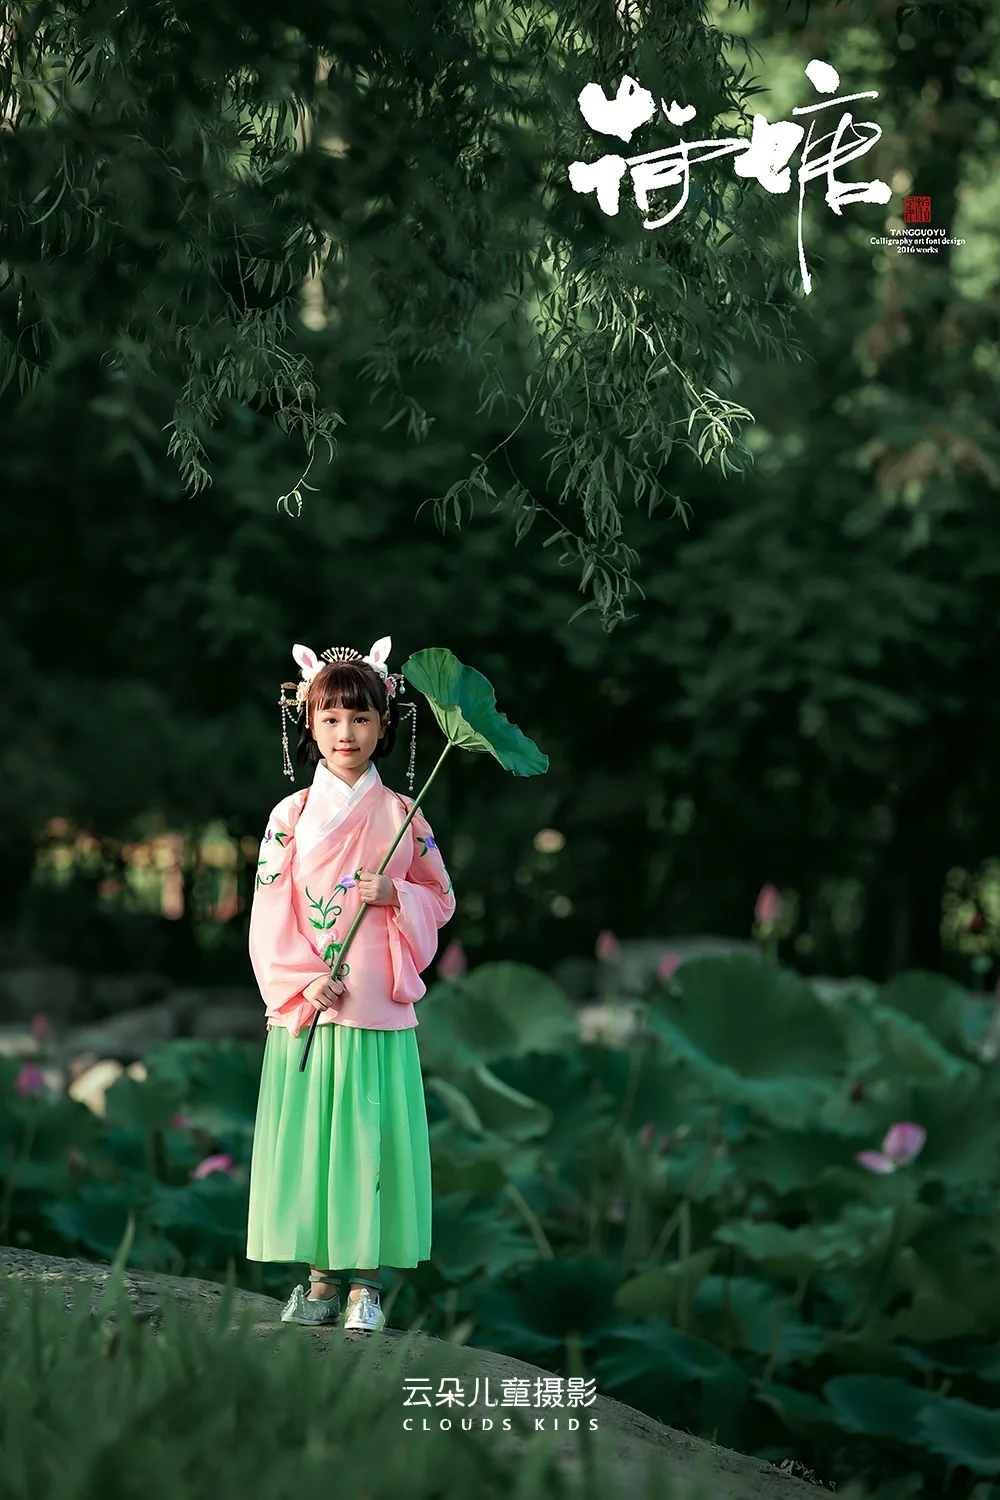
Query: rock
(90,1086)
(242,1023)
(110,994)
(17,1041)
(128,1036)
(628,1441)
(192,1003)
(53,991)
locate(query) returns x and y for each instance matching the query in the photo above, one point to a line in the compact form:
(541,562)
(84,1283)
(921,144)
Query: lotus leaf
(469,1238)
(503,1109)
(916,1053)
(759,1317)
(581,1117)
(483,1105)
(956,1357)
(936,1002)
(145,1106)
(755,1035)
(967,1436)
(651,1361)
(800,1412)
(217,1206)
(97,1217)
(464,704)
(662,1289)
(478,1158)
(790,1161)
(535,1314)
(880,1405)
(499,1010)
(856,1239)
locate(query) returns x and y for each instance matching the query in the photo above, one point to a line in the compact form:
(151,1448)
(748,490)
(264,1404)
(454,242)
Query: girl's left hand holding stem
(376,890)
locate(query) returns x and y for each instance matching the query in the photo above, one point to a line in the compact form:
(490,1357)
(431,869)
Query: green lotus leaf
(495,1106)
(535,1313)
(498,1010)
(664,1289)
(754,1316)
(879,1405)
(582,1116)
(936,1002)
(916,1053)
(755,1034)
(967,1436)
(789,1161)
(464,704)
(856,1239)
(649,1364)
(468,1238)
(801,1413)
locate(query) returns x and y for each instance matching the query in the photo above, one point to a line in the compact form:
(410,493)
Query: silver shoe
(366,1315)
(313,1312)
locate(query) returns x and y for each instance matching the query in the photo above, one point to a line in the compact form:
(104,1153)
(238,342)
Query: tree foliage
(180,181)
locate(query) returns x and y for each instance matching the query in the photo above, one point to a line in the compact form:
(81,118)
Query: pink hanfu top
(306,899)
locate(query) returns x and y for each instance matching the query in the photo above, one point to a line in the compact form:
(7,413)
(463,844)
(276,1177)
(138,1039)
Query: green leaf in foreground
(464,704)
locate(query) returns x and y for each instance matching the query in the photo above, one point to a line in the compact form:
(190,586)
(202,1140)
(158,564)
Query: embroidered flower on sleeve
(428,841)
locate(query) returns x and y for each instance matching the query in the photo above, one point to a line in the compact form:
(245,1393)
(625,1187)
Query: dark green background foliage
(690,1210)
(804,695)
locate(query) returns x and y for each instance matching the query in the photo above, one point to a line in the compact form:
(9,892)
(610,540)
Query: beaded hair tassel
(289,709)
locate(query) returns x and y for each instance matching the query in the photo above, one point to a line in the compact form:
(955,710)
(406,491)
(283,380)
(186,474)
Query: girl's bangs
(344,685)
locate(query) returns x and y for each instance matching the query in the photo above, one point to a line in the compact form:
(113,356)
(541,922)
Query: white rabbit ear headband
(310,665)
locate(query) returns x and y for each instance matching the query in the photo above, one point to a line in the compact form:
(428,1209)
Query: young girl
(340,1174)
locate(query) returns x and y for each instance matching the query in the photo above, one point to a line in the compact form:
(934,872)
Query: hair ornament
(310,665)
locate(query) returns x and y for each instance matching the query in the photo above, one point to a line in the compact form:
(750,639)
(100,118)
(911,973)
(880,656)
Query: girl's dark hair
(352,685)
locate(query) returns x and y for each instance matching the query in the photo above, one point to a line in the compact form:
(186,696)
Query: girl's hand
(377,890)
(323,992)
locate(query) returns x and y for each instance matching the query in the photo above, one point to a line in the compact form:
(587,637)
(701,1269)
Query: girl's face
(346,738)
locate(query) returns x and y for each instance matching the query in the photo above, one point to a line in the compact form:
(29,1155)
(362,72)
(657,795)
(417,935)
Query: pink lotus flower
(903,1143)
(669,964)
(221,1162)
(30,1080)
(179,1122)
(767,911)
(453,962)
(41,1028)
(607,948)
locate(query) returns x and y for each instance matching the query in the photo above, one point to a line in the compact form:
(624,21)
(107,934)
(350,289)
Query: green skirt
(340,1175)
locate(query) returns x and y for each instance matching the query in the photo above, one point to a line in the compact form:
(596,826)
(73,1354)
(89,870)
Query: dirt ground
(628,1440)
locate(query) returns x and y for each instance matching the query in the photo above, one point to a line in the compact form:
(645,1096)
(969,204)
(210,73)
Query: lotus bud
(767,911)
(453,962)
(30,1080)
(41,1028)
(607,948)
(669,964)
